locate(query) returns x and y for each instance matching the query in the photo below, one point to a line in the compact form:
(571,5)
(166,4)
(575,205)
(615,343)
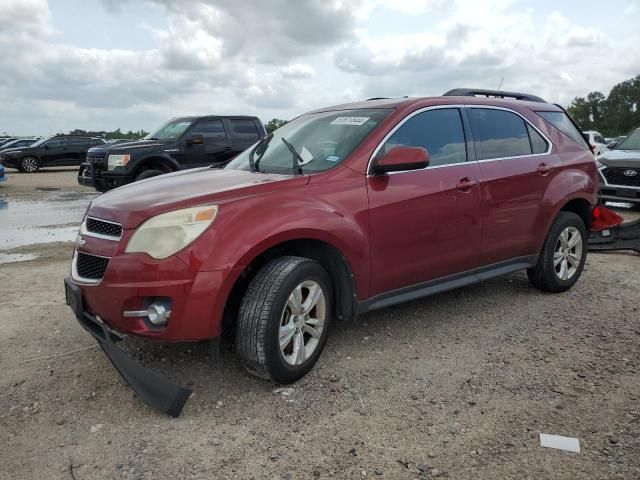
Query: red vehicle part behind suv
(341,211)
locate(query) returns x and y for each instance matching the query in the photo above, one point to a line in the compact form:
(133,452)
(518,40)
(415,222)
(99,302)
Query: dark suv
(56,151)
(343,210)
(182,143)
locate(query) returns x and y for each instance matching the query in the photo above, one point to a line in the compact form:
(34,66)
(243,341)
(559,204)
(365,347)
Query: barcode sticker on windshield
(357,121)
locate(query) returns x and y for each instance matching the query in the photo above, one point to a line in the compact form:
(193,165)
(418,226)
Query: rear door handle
(543,168)
(228,149)
(466,184)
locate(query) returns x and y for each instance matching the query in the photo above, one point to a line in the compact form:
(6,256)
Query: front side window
(499,134)
(170,131)
(210,130)
(439,131)
(321,140)
(57,142)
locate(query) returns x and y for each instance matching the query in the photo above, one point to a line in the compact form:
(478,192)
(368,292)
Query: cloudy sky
(103,64)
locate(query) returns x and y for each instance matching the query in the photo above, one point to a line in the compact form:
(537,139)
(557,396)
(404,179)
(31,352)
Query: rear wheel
(563,255)
(29,165)
(284,319)
(148,174)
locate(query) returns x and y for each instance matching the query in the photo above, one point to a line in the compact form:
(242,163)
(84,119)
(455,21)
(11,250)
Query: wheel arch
(329,256)
(156,162)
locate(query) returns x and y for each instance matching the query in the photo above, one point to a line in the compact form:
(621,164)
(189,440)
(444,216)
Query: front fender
(247,227)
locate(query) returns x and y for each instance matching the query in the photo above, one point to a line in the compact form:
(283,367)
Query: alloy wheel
(302,322)
(567,254)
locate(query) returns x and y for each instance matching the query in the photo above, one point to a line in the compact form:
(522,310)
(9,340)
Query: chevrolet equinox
(341,211)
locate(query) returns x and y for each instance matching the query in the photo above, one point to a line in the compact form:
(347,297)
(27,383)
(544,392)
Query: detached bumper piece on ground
(609,233)
(155,389)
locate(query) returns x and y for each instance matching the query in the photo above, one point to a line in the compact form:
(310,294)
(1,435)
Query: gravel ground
(458,385)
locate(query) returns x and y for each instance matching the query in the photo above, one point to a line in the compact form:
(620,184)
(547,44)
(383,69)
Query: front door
(56,152)
(426,224)
(517,168)
(216,147)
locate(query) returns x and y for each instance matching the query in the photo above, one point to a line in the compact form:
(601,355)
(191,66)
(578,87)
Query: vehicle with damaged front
(341,211)
(619,170)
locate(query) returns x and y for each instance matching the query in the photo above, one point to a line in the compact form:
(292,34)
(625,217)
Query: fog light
(157,313)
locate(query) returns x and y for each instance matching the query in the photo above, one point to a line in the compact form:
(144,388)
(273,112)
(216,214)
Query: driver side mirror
(402,158)
(612,145)
(195,139)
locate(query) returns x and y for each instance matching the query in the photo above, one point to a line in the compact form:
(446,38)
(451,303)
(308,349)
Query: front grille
(102,227)
(90,266)
(97,160)
(616,176)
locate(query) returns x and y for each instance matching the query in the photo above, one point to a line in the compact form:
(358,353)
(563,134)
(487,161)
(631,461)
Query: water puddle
(16,257)
(54,219)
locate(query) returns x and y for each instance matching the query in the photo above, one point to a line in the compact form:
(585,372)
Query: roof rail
(475,92)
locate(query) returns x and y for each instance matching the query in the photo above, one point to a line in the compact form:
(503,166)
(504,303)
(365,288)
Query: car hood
(14,149)
(621,158)
(131,147)
(134,203)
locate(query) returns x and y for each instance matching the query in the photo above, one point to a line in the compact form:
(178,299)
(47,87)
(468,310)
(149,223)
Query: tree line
(613,115)
(113,135)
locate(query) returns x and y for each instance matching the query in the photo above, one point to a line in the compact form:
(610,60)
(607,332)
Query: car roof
(232,117)
(420,102)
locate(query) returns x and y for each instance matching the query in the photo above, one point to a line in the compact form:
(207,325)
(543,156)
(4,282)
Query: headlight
(163,235)
(117,161)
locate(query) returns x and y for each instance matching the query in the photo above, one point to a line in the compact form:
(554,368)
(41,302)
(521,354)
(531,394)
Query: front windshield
(632,142)
(170,130)
(321,140)
(40,142)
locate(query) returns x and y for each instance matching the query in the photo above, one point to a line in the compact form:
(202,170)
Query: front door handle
(543,168)
(227,149)
(466,184)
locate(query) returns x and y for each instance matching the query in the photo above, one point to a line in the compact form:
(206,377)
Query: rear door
(244,133)
(425,224)
(517,167)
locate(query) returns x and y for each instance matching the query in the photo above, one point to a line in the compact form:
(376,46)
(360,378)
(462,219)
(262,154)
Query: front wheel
(29,165)
(284,319)
(563,255)
(148,174)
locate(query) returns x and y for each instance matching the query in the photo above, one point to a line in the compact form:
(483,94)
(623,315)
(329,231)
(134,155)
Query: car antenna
(500,86)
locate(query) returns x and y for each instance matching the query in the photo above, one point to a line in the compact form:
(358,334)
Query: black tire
(148,174)
(29,165)
(544,275)
(263,309)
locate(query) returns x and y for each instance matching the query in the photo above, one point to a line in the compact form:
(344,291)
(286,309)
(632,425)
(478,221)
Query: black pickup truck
(186,142)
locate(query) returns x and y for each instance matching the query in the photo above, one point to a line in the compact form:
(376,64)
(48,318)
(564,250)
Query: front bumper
(10,162)
(101,180)
(617,193)
(153,388)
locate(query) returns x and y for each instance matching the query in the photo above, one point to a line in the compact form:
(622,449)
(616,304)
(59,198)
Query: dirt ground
(457,385)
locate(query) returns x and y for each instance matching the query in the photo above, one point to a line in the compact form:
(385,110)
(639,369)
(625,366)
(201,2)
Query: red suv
(341,211)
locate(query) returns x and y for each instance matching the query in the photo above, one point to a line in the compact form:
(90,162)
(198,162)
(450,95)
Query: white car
(596,140)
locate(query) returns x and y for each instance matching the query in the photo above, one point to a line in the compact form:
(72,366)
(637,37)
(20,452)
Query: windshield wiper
(297,159)
(152,138)
(253,165)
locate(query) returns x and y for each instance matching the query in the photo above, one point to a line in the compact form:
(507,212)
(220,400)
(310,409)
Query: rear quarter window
(244,129)
(562,122)
(499,134)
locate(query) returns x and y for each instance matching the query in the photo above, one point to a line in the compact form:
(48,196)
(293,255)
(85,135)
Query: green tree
(616,114)
(274,124)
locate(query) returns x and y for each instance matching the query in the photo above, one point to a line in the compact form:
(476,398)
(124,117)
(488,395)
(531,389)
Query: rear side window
(57,142)
(499,134)
(538,143)
(244,129)
(210,129)
(439,131)
(562,122)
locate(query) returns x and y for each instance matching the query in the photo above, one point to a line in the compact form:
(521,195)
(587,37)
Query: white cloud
(280,58)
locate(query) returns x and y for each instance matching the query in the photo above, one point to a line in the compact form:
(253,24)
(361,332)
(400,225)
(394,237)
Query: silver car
(620,171)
